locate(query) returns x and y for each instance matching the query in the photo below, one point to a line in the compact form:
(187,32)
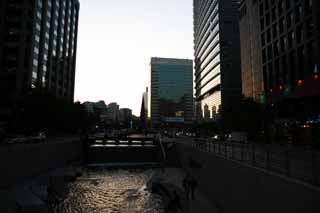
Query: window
(289,19)
(276,48)
(264,56)
(269,52)
(280,7)
(299,33)
(281,25)
(262,24)
(275,30)
(268,35)
(290,39)
(267,19)
(298,12)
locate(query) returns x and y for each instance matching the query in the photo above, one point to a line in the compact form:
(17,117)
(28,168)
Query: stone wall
(234,187)
(19,163)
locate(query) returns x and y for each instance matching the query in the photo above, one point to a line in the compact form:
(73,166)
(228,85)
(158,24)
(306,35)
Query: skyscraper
(251,55)
(289,47)
(171,91)
(217,57)
(38,44)
(144,113)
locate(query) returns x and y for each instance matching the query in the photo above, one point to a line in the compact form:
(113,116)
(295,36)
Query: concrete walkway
(174,176)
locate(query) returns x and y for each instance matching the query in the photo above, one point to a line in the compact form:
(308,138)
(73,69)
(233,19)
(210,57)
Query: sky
(116,40)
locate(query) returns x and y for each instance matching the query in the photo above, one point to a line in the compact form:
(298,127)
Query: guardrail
(299,164)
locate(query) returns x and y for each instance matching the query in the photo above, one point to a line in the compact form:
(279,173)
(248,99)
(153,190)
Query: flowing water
(111,191)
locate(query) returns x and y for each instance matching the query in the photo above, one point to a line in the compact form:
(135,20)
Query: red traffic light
(280,87)
(270,90)
(316,77)
(299,83)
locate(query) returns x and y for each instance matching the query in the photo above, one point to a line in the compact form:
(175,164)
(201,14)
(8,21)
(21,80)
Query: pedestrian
(192,185)
(186,186)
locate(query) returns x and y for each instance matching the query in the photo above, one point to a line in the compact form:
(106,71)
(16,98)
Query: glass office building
(171,91)
(38,42)
(217,57)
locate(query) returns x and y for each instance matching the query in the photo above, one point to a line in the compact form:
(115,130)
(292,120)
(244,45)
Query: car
(37,137)
(16,140)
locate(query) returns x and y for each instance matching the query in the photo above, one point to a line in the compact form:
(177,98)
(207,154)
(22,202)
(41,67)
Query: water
(114,191)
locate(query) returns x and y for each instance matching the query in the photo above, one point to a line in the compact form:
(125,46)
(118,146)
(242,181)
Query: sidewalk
(174,176)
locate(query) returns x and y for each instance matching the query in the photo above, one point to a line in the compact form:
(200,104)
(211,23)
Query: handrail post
(314,168)
(225,150)
(241,150)
(268,157)
(129,141)
(287,162)
(253,156)
(232,151)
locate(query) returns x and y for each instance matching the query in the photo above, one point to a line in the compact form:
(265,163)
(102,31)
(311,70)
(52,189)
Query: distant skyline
(117,40)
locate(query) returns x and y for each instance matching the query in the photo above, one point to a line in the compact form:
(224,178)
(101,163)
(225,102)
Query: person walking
(186,186)
(192,185)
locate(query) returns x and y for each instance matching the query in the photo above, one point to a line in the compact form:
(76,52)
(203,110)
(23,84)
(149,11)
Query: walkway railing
(299,164)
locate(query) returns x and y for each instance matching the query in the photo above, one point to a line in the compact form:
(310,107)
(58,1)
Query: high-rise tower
(217,57)
(38,44)
(171,91)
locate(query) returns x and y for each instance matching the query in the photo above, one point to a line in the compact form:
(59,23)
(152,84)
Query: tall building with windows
(171,91)
(289,49)
(251,56)
(38,44)
(217,57)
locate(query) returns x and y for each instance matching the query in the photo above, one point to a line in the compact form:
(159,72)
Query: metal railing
(297,163)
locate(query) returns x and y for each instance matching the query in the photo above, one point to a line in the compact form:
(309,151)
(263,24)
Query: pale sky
(116,40)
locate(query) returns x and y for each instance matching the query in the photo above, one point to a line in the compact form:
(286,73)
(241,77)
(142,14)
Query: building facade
(38,44)
(217,57)
(251,55)
(171,91)
(289,32)
(125,117)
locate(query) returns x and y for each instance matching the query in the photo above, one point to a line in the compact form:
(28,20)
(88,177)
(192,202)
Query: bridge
(122,151)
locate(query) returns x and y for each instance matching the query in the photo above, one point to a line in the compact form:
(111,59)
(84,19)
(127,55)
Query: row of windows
(203,19)
(291,67)
(279,6)
(288,20)
(285,43)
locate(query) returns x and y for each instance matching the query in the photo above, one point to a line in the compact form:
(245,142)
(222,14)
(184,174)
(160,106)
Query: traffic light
(299,83)
(316,77)
(280,88)
(287,90)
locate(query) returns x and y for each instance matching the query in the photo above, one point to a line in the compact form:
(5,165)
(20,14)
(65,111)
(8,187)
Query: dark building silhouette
(144,110)
(284,48)
(217,57)
(38,44)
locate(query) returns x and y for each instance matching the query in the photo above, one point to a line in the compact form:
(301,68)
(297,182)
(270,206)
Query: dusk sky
(116,40)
